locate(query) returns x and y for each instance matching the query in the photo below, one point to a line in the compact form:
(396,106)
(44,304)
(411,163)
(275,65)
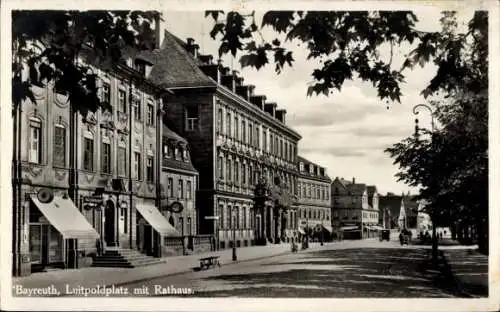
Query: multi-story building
(179,187)
(355,208)
(86,183)
(314,200)
(235,138)
(399,211)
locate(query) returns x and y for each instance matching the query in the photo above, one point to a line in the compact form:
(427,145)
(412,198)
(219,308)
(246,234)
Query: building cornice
(221,90)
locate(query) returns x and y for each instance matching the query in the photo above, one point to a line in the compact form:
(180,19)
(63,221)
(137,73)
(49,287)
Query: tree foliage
(451,166)
(47,44)
(348,45)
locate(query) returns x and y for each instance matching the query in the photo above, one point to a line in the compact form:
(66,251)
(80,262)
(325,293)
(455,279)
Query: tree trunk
(434,240)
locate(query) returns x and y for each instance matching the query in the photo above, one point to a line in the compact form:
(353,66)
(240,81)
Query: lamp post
(322,233)
(431,112)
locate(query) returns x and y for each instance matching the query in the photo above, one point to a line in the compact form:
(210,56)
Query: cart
(385,235)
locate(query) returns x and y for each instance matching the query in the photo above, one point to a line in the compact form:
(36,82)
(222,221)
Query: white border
(248,304)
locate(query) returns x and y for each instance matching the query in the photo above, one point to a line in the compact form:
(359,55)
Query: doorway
(109,224)
(148,240)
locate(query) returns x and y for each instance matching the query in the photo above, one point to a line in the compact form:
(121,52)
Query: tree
(49,44)
(348,44)
(452,166)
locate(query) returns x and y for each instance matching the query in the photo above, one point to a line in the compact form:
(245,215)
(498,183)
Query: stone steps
(124,258)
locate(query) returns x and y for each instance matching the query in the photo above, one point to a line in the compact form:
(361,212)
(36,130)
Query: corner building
(235,137)
(314,200)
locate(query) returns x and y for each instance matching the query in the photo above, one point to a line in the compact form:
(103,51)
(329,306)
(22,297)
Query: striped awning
(63,215)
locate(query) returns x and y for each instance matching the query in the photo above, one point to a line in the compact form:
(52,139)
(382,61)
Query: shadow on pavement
(374,272)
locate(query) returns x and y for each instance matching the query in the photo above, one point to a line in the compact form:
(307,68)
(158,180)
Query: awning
(301,231)
(157,220)
(328,228)
(349,228)
(66,218)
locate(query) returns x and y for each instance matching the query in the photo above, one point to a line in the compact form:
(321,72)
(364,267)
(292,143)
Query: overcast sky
(346,132)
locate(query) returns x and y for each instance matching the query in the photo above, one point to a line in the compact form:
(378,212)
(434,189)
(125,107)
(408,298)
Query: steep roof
(172,135)
(174,67)
(356,188)
(411,205)
(390,202)
(306,173)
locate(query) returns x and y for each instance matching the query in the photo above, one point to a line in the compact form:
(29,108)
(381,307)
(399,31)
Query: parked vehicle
(385,235)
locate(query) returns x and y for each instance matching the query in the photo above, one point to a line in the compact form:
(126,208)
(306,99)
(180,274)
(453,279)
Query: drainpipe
(159,135)
(130,152)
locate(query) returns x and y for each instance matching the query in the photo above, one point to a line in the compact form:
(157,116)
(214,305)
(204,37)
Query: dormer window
(185,155)
(140,66)
(166,151)
(301,166)
(311,169)
(177,153)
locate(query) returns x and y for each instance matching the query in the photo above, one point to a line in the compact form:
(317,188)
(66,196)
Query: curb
(191,269)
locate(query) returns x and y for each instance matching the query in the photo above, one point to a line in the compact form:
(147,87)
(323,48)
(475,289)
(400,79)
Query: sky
(347,131)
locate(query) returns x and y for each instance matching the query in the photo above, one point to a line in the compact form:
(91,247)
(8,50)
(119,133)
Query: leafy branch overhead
(49,44)
(348,44)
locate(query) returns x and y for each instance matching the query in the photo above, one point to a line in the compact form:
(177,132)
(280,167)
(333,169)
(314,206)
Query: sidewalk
(93,276)
(469,268)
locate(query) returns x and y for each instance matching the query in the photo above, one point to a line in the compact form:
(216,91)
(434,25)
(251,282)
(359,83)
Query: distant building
(314,199)
(355,208)
(398,211)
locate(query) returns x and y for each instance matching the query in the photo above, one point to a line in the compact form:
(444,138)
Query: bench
(207,262)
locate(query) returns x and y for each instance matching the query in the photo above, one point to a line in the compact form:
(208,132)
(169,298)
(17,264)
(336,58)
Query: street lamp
(431,112)
(322,232)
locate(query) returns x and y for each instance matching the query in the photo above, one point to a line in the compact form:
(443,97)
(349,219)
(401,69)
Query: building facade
(314,200)
(102,170)
(179,183)
(235,136)
(355,209)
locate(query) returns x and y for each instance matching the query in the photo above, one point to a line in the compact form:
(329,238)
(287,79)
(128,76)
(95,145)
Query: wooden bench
(207,262)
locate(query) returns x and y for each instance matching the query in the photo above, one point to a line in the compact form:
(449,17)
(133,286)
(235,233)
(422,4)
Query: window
(35,153)
(219,120)
(236,172)
(192,118)
(150,169)
(299,190)
(220,168)
(264,139)
(309,190)
(178,154)
(170,187)
(290,152)
(244,174)
(59,152)
(136,104)
(244,212)
(151,114)
(122,101)
(221,216)
(106,94)
(166,151)
(286,151)
(140,67)
(243,132)
(310,214)
(257,136)
(281,149)
(180,189)
(228,124)
(276,146)
(185,155)
(228,170)
(237,217)
(88,154)
(236,127)
(301,166)
(250,134)
(271,142)
(189,194)
(137,166)
(122,161)
(229,217)
(106,157)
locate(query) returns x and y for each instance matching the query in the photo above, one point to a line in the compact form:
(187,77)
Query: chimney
(245,91)
(270,108)
(206,59)
(227,78)
(353,180)
(192,47)
(280,115)
(258,100)
(212,71)
(157,31)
